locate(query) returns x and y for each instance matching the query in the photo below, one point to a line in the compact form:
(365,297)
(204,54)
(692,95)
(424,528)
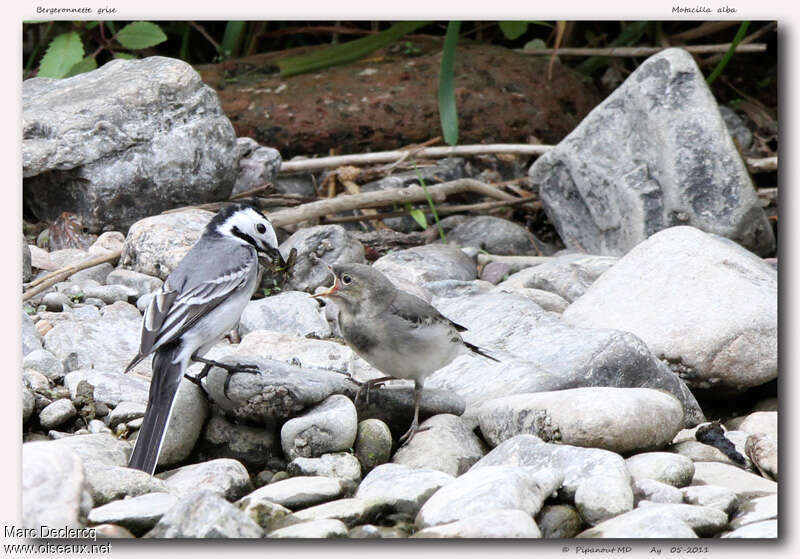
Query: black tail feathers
(479,351)
(163,387)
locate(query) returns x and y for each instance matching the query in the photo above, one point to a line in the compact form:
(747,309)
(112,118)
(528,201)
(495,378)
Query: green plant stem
(740,33)
(431,205)
(448,114)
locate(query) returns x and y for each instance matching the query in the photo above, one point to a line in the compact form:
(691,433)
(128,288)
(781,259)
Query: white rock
(330,426)
(664,291)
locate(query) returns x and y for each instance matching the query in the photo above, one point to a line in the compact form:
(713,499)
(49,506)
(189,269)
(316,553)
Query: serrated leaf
(86,65)
(62,54)
(140,35)
(448,116)
(419,217)
(513,29)
(125,56)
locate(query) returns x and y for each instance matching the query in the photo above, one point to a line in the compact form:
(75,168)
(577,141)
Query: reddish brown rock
(385,101)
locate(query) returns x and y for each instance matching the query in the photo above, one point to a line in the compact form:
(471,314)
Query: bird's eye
(261,228)
(346,279)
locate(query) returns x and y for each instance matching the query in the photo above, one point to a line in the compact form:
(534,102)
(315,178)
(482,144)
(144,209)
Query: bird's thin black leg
(405,439)
(199,377)
(231,368)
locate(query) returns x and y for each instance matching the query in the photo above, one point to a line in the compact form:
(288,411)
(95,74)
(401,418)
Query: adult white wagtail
(394,331)
(200,301)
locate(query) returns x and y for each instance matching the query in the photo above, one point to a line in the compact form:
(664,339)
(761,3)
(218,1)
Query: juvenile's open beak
(333,289)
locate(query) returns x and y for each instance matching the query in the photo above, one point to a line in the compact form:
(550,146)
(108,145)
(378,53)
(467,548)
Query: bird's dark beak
(332,290)
(272,253)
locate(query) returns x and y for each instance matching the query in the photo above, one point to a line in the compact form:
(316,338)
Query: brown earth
(389,100)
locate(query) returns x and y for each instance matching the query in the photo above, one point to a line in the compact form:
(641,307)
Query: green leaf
(232,38)
(86,65)
(140,35)
(447,96)
(729,53)
(125,56)
(535,44)
(419,217)
(62,54)
(346,52)
(513,29)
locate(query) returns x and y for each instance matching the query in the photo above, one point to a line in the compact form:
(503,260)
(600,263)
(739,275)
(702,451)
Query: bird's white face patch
(249,223)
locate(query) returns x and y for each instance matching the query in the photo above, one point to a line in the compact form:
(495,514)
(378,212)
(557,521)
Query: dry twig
(53,278)
(643,51)
(347,202)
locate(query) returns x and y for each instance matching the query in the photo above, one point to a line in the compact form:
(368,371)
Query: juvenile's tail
(163,387)
(479,351)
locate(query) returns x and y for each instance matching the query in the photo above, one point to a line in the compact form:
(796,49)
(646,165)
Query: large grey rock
(330,426)
(110,388)
(412,268)
(488,488)
(666,467)
(705,521)
(126,411)
(52,486)
(593,467)
(290,312)
(539,353)
(446,444)
(278,391)
(125,141)
(704,304)
(223,476)
(31,340)
(110,483)
(317,248)
(155,245)
(744,484)
(300,492)
(617,419)
(597,501)
(402,488)
(205,514)
(655,153)
(492,234)
(137,514)
(327,528)
(252,446)
(106,343)
(257,165)
(641,523)
(97,448)
(513,523)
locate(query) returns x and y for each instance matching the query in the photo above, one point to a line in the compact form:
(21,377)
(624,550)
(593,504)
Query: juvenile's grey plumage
(394,331)
(200,301)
